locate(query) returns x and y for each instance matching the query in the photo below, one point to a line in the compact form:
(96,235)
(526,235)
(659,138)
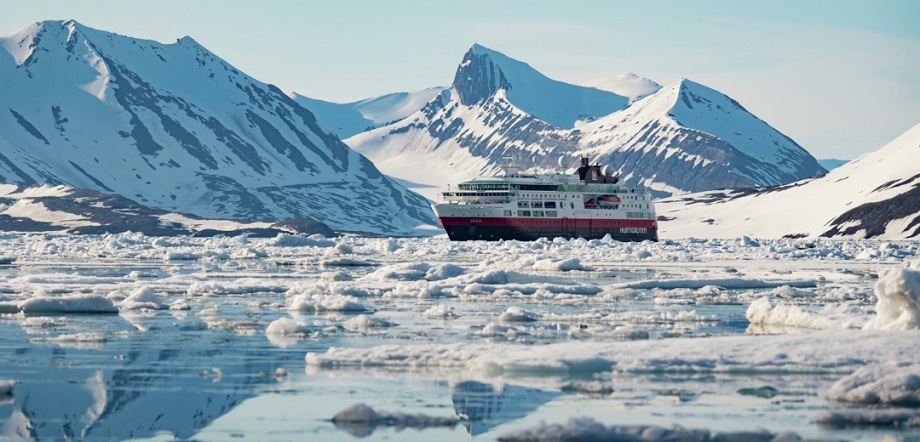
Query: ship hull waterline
(524,229)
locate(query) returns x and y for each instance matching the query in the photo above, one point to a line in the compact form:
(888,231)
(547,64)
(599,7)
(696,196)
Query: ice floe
(880,384)
(79,303)
(898,306)
(819,352)
(142,298)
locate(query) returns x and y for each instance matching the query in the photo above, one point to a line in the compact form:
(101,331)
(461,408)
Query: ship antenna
(511,167)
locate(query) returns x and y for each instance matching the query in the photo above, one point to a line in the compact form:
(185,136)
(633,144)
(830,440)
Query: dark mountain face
(175,127)
(478,78)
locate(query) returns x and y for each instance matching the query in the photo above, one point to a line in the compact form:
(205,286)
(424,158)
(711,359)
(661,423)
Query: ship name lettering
(633,230)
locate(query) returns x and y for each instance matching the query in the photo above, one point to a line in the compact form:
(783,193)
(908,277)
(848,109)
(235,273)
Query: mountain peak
(483,72)
(478,77)
(176,127)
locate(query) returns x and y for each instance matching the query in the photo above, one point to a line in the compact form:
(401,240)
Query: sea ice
(367,321)
(898,306)
(79,303)
(142,298)
(442,311)
(879,384)
(321,303)
(765,311)
(517,314)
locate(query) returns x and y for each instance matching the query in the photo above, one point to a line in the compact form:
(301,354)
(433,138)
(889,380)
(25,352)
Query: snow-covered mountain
(348,119)
(874,196)
(832,163)
(685,137)
(628,85)
(175,127)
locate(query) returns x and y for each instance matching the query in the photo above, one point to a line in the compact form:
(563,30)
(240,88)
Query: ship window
(523,213)
(523,204)
(483,186)
(550,204)
(507,213)
(537,213)
(537,205)
(551,213)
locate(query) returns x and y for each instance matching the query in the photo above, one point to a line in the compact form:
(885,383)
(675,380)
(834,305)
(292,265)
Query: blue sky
(839,77)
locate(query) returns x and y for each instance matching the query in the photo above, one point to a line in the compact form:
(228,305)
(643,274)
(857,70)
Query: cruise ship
(588,204)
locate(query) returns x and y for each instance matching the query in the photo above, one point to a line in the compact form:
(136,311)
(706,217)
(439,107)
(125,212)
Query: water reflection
(482,407)
(133,385)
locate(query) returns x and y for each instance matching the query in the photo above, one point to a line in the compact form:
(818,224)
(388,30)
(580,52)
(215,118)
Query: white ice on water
(356,286)
(898,306)
(884,384)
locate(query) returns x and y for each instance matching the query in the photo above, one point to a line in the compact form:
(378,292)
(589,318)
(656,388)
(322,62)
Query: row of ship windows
(555,214)
(538,204)
(535,213)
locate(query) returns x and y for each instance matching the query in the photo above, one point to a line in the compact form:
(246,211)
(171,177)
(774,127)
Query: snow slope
(685,137)
(175,127)
(628,85)
(874,196)
(348,119)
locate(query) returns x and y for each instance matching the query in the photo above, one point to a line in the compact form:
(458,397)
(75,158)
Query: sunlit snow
(141,333)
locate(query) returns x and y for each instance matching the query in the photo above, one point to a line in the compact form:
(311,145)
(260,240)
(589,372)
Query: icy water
(128,337)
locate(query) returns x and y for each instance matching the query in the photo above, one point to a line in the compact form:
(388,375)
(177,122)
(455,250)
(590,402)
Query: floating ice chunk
(492,330)
(788,292)
(642,254)
(586,428)
(6,387)
(620,333)
(565,265)
(38,322)
(366,321)
(142,298)
(81,303)
(361,420)
(335,276)
(898,306)
(491,277)
(517,314)
(248,253)
(285,327)
(410,271)
(286,240)
(180,256)
(343,249)
(728,283)
(388,245)
(7,307)
(284,332)
(764,311)
(443,271)
(321,302)
(879,384)
(902,418)
(442,311)
(179,304)
(747,242)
